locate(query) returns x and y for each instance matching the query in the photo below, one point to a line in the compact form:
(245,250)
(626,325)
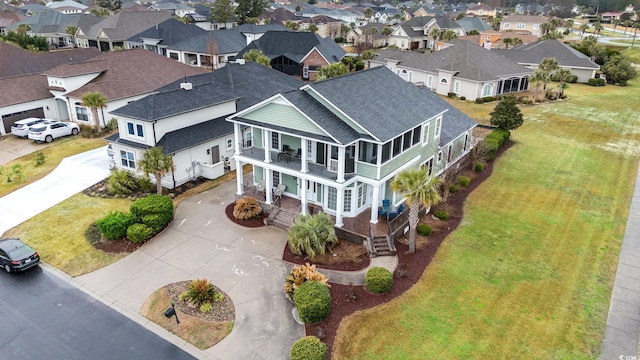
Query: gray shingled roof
(468,60)
(175,102)
(534,53)
(169,32)
(51,21)
(469,23)
(193,135)
(125,24)
(361,95)
(115,138)
(295,46)
(227,42)
(260,29)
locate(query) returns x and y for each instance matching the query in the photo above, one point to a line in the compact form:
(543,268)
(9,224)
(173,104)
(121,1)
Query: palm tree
(627,23)
(94,101)
(507,42)
(312,235)
(569,23)
(597,27)
(517,41)
(615,23)
(312,28)
(155,162)
(71,30)
(448,35)
(537,78)
(561,75)
(419,190)
(583,28)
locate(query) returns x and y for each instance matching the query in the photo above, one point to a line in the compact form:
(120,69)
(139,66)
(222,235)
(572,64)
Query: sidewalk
(623,323)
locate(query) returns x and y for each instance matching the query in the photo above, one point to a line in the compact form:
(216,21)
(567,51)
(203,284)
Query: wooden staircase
(281,218)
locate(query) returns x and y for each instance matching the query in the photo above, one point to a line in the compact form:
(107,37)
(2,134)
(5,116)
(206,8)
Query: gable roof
(128,73)
(295,46)
(385,120)
(169,32)
(319,20)
(468,60)
(535,19)
(51,21)
(469,23)
(125,24)
(535,52)
(260,29)
(23,89)
(16,61)
(227,41)
(278,16)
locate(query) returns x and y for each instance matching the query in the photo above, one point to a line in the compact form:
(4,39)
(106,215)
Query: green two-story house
(338,143)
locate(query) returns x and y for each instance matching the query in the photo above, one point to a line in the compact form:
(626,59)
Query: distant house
(178,9)
(328,151)
(301,54)
(491,39)
(463,69)
(53,25)
(25,92)
(370,33)
(531,55)
(481,10)
(121,76)
(415,33)
(67,7)
(327,27)
(114,30)
(521,23)
(187,119)
(7,19)
(470,23)
(279,16)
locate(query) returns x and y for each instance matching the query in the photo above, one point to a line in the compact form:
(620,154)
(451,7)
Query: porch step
(282,218)
(381,246)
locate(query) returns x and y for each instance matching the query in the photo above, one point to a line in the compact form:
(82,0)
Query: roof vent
(186,86)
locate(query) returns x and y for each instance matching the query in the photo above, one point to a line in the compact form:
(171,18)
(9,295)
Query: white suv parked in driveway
(21,127)
(48,132)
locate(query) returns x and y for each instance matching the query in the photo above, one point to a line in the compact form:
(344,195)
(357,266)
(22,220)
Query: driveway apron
(243,262)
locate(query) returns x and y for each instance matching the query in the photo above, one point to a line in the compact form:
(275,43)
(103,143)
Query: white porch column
(268,185)
(339,207)
(304,167)
(341,163)
(303,196)
(375,200)
(239,178)
(237,134)
(266,145)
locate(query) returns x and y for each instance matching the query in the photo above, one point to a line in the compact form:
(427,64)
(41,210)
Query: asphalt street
(44,317)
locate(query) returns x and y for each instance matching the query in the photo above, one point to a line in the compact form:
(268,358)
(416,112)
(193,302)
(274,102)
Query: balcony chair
(386,202)
(260,189)
(279,190)
(400,208)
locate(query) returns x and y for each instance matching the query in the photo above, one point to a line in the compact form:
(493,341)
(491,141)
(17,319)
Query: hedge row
(494,140)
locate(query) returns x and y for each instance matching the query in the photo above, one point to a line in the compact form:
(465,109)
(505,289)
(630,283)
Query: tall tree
(94,101)
(597,27)
(71,30)
(312,28)
(562,75)
(155,162)
(507,42)
(292,25)
(250,9)
(537,79)
(419,190)
(506,115)
(618,70)
(583,28)
(257,56)
(222,11)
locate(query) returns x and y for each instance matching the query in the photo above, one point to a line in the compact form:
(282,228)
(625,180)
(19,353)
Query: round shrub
(442,215)
(152,204)
(453,188)
(424,230)
(464,181)
(378,280)
(114,225)
(359,65)
(313,301)
(308,348)
(156,221)
(246,208)
(139,233)
(479,167)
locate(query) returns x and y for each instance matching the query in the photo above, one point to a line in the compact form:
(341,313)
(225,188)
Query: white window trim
(135,134)
(506,25)
(456,86)
(85,109)
(126,158)
(438,128)
(229,144)
(429,81)
(425,134)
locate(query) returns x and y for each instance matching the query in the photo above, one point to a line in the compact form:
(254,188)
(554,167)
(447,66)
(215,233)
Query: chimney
(240,61)
(186,86)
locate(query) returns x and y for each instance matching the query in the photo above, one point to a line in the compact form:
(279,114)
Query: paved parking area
(12,147)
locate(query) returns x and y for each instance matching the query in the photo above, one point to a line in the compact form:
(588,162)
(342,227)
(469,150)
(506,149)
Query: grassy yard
(53,155)
(529,272)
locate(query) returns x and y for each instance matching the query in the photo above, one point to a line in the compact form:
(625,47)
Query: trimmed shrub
(479,167)
(144,184)
(488,99)
(308,348)
(378,280)
(479,101)
(313,301)
(464,181)
(111,125)
(451,94)
(114,226)
(152,204)
(299,275)
(596,82)
(453,188)
(156,221)
(494,140)
(463,98)
(442,215)
(246,208)
(359,65)
(139,233)
(424,230)
(88,131)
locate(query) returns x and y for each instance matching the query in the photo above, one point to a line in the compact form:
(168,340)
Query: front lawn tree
(94,101)
(332,70)
(506,115)
(419,190)
(618,70)
(156,162)
(222,11)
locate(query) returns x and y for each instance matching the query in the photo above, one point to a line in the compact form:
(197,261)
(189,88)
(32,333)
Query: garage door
(8,120)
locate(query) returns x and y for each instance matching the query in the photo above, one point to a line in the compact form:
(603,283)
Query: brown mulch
(222,311)
(116,246)
(100,190)
(349,299)
(345,256)
(251,223)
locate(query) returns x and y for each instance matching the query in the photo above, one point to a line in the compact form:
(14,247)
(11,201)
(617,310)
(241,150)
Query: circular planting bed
(222,311)
(255,222)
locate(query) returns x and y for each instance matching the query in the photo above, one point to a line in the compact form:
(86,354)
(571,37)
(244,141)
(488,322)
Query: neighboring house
(470,23)
(187,119)
(428,10)
(482,10)
(345,153)
(345,16)
(53,26)
(7,19)
(415,33)
(301,54)
(112,31)
(531,55)
(370,33)
(177,9)
(491,39)
(463,69)
(67,7)
(120,76)
(279,16)
(253,32)
(25,91)
(520,23)
(530,9)
(328,27)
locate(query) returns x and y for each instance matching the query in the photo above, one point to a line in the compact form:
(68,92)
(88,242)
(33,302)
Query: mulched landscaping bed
(252,223)
(325,261)
(222,311)
(100,189)
(349,299)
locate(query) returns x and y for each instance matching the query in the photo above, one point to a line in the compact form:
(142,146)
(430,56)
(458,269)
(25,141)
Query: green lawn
(529,272)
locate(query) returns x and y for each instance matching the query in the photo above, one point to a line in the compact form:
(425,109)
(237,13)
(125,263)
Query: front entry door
(215,154)
(312,191)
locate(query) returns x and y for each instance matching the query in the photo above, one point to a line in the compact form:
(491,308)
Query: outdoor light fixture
(172,312)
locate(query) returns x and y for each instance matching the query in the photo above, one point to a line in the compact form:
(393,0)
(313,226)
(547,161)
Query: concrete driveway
(12,147)
(202,243)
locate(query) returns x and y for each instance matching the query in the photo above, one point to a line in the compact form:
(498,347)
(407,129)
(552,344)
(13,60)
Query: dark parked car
(17,256)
